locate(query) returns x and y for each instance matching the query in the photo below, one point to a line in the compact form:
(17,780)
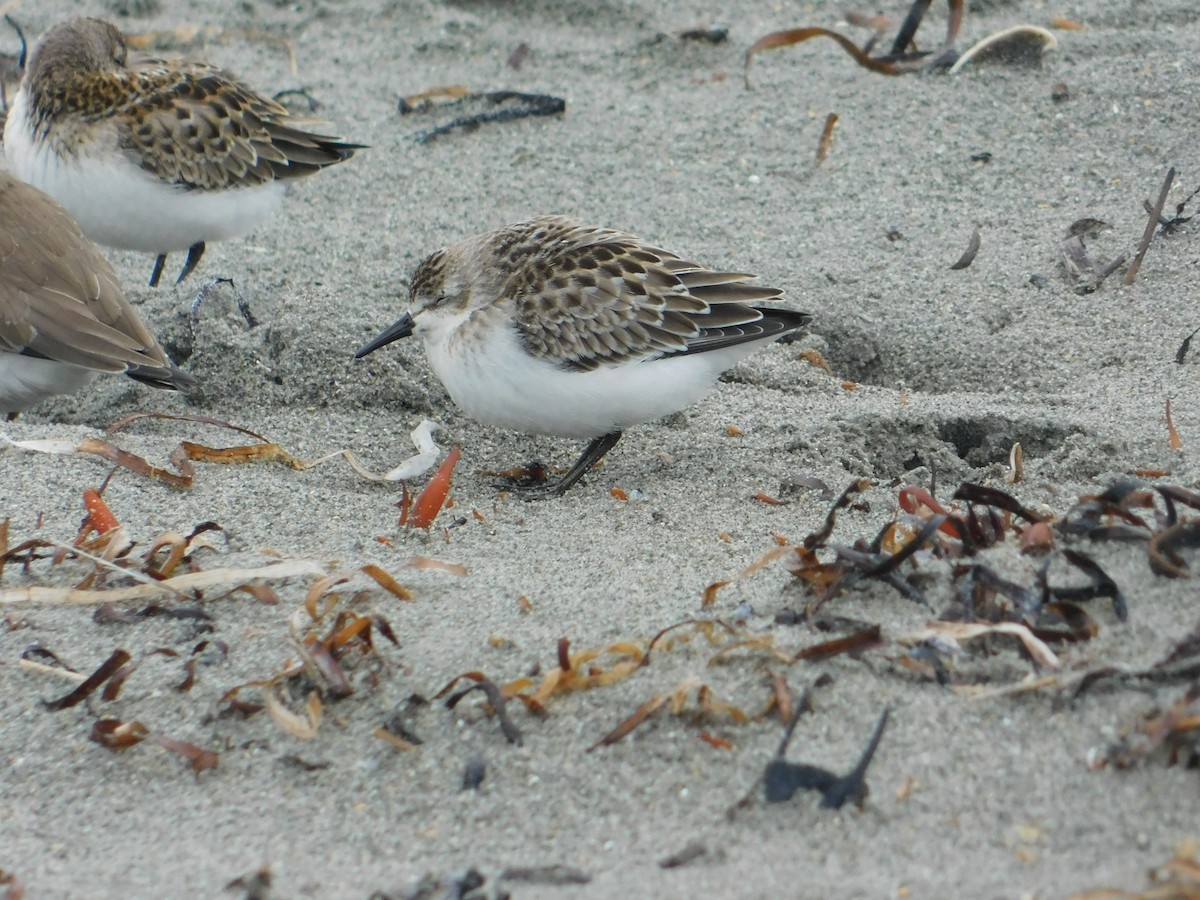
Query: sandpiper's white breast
(489,374)
(26,381)
(118,203)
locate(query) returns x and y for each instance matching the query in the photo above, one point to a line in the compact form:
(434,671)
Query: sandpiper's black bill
(401,328)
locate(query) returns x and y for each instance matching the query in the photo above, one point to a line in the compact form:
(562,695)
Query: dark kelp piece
(1173,494)
(1165,545)
(86,688)
(968,255)
(1179,665)
(1182,352)
(860,640)
(552,875)
(1148,234)
(990,496)
(494,697)
(497,106)
(818,538)
(1102,584)
(45,656)
(859,564)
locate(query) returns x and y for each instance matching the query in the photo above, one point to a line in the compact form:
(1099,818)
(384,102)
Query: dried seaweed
(710,592)
(495,699)
(1182,352)
(105,671)
(188,452)
(554,875)
(988,496)
(1172,733)
(968,255)
(179,584)
(902,58)
(953,632)
(1176,879)
(857,642)
(1173,439)
(116,734)
(496,106)
(706,703)
(1148,234)
(825,144)
(1164,548)
(1102,585)
(200,760)
(303,726)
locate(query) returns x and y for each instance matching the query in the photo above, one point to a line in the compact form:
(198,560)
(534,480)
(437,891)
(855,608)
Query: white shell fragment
(1021,45)
(427,453)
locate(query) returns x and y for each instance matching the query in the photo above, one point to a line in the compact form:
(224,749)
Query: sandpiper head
(439,292)
(439,285)
(78,45)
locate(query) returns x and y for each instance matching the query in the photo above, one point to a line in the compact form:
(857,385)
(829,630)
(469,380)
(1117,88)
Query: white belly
(119,204)
(494,381)
(26,381)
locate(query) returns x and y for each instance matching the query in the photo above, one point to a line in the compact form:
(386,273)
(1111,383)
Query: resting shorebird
(554,327)
(153,155)
(63,315)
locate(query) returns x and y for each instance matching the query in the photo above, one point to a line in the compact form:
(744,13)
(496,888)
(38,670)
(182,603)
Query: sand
(969,797)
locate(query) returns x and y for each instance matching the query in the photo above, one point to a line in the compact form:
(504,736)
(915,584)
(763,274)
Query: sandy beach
(933,373)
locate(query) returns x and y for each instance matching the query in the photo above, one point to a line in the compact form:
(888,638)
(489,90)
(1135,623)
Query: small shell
(1021,45)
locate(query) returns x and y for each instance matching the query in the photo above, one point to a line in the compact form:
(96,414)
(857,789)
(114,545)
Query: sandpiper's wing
(61,300)
(193,125)
(589,297)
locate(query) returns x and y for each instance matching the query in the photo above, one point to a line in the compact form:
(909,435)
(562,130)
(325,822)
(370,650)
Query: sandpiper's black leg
(156,272)
(194,253)
(592,454)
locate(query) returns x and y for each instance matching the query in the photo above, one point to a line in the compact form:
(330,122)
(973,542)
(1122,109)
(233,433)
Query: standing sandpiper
(554,327)
(153,155)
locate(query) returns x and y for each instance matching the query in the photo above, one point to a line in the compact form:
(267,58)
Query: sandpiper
(63,315)
(153,155)
(554,327)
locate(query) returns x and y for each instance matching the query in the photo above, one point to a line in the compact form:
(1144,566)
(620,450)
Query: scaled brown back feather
(591,297)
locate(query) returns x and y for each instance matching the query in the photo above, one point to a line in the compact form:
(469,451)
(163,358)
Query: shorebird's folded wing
(194,126)
(59,297)
(591,297)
